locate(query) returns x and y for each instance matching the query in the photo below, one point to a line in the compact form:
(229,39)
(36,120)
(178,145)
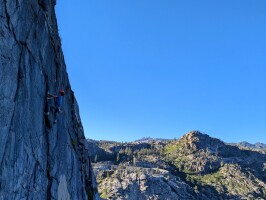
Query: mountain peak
(196,137)
(195,140)
(195,134)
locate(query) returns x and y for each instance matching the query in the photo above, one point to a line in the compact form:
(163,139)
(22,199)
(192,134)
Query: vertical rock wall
(38,162)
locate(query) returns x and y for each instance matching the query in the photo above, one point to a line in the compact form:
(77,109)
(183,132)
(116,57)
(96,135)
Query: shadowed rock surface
(39,159)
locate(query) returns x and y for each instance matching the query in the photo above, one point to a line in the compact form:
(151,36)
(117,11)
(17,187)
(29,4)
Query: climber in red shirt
(56,107)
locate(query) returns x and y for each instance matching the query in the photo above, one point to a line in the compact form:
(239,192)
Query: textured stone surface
(38,162)
(138,183)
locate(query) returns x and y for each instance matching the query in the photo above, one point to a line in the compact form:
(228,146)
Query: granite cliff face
(39,159)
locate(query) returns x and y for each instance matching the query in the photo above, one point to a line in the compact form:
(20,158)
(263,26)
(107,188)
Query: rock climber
(58,101)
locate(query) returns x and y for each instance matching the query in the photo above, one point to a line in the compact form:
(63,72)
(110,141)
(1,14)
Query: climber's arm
(50,96)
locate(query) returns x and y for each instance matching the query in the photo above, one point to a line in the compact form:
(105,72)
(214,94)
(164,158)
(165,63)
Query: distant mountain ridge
(257,145)
(149,139)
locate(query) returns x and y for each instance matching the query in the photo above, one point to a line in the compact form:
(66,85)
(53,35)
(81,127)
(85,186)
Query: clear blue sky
(161,68)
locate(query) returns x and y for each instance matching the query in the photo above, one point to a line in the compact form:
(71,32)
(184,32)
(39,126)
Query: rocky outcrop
(196,152)
(39,159)
(138,183)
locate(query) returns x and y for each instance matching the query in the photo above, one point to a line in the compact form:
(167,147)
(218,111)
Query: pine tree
(117,157)
(96,158)
(134,161)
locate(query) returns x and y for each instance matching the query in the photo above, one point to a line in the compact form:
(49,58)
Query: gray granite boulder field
(39,160)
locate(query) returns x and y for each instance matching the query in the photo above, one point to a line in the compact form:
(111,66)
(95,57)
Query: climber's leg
(56,114)
(47,109)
